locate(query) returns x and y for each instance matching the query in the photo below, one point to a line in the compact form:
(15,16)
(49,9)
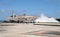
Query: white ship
(44,20)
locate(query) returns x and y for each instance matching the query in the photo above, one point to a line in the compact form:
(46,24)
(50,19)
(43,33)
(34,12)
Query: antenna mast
(12,14)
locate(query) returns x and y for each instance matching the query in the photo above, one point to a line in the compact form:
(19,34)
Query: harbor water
(29,30)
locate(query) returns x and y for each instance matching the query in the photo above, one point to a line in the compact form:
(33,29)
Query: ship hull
(48,23)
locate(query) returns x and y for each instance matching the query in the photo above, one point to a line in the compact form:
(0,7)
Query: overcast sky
(50,8)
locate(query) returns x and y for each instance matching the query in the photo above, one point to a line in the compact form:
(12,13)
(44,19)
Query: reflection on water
(2,29)
(52,32)
(48,33)
(6,29)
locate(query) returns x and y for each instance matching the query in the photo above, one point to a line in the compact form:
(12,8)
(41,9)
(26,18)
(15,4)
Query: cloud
(4,10)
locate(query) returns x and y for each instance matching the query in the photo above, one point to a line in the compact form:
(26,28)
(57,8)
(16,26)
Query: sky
(50,8)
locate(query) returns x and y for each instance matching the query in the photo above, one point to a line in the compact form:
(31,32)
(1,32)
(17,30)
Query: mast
(13,14)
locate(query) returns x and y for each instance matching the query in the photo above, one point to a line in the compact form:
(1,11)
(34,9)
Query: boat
(44,20)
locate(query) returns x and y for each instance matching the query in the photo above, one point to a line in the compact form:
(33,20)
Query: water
(29,31)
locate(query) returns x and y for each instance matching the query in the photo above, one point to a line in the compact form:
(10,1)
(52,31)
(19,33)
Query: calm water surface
(6,29)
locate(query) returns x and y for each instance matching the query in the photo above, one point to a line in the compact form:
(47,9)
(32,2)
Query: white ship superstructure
(44,20)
